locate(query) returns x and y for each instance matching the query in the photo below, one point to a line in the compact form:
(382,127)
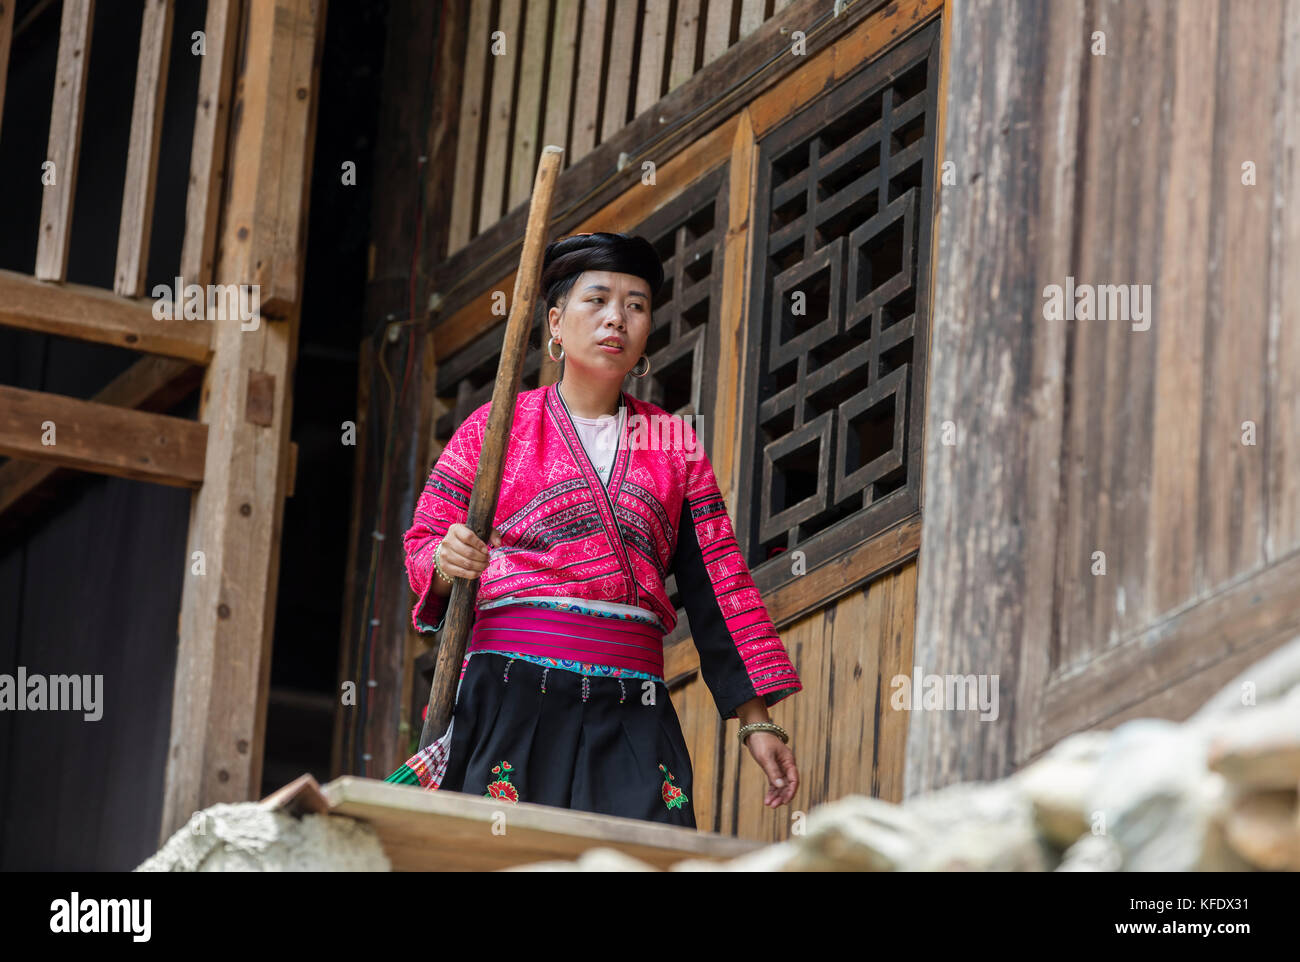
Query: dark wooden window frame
(896,507)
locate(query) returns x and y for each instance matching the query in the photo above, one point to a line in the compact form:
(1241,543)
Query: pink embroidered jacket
(564,533)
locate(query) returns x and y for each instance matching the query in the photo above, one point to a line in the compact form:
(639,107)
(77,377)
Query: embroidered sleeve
(444,502)
(741,654)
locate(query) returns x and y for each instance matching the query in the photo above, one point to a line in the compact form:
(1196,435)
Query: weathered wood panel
(1124,441)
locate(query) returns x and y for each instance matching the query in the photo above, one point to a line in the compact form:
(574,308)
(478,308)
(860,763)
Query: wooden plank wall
(845,738)
(526,62)
(1167,160)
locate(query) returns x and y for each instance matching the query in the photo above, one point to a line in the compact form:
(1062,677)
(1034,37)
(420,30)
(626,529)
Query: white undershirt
(600,439)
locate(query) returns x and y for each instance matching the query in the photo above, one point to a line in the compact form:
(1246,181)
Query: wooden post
(233,552)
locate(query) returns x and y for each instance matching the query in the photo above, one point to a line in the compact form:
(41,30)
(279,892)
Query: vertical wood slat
(528,105)
(717,29)
(751,17)
(142,152)
(1233,493)
(6,35)
(618,77)
(287,200)
(559,86)
(1179,363)
(504,65)
(591,53)
(654,43)
(687,28)
(465,194)
(65,139)
(207,154)
(1283,431)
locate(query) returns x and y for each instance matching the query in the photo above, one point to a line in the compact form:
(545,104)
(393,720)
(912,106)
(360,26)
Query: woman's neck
(587,400)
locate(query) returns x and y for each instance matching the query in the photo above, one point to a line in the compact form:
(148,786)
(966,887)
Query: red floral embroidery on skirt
(673,796)
(501,789)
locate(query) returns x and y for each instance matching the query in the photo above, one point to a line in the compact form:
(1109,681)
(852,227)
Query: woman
(561,698)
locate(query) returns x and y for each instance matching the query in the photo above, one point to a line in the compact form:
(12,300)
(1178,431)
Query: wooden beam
(227,615)
(142,149)
(1254,615)
(65,139)
(207,155)
(93,314)
(453,831)
(152,384)
(88,436)
(985,584)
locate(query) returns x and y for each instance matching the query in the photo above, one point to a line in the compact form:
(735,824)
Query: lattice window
(838,315)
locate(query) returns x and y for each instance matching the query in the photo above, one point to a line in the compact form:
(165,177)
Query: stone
(1153,795)
(1057,785)
(978,826)
(858,833)
(599,859)
(1258,746)
(245,837)
(1092,853)
(769,858)
(1265,830)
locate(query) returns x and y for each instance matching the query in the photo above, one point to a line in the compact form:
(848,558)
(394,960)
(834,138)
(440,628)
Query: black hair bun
(567,257)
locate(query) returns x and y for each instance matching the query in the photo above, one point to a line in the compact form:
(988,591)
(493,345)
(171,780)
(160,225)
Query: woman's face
(603,306)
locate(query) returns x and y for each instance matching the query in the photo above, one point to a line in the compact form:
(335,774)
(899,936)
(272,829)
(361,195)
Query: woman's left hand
(777,761)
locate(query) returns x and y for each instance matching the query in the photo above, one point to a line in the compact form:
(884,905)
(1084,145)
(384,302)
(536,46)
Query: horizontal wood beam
(90,436)
(820,586)
(151,384)
(92,314)
(1256,613)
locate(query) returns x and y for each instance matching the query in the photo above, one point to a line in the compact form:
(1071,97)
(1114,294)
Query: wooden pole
(487,480)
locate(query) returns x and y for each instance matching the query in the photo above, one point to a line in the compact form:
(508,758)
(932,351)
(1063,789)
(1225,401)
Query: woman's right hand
(462,553)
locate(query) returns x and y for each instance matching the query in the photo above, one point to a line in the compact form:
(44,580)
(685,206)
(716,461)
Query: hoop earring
(557,360)
(646,358)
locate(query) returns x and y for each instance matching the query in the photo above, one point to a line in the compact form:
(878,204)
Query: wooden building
(927,471)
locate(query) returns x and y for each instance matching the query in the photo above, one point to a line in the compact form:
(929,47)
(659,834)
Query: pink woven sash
(569,635)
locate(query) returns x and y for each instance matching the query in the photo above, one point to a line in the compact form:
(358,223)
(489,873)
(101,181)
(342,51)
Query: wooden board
(423,831)
(1098,440)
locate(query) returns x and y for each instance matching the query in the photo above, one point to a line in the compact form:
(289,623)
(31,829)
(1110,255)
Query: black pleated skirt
(526,733)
